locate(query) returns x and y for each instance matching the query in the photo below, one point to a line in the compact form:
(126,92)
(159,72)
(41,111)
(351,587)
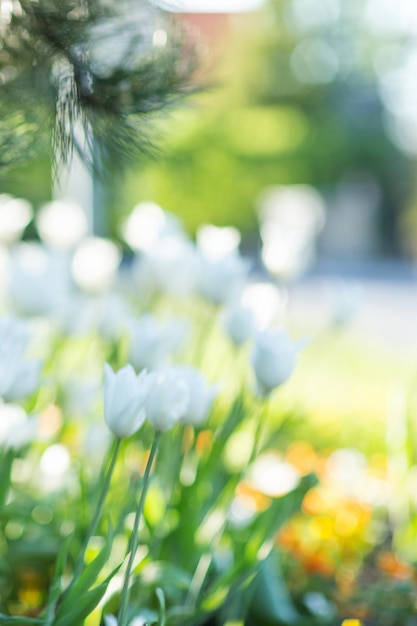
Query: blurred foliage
(34,177)
(255,517)
(67,73)
(294,98)
(295,104)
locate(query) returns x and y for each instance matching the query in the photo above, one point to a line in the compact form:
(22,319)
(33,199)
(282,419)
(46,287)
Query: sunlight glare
(216,242)
(95,264)
(62,224)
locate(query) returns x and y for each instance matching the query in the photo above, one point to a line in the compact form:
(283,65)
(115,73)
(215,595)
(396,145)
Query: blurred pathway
(380,298)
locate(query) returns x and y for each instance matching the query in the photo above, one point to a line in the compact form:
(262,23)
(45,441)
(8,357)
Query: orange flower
(302,456)
(314,501)
(393,566)
(204,443)
(319,562)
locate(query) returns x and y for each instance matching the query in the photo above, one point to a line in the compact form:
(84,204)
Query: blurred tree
(301,105)
(88,74)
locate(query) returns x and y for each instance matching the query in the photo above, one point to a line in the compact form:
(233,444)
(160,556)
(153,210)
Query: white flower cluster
(19,379)
(171,395)
(69,279)
(19,376)
(214,269)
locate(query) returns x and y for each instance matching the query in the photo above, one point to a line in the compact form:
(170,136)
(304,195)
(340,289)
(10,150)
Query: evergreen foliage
(91,72)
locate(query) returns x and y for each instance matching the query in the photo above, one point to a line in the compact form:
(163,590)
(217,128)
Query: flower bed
(146,475)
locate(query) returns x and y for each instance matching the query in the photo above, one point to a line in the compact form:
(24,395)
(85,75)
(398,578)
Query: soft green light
(266,131)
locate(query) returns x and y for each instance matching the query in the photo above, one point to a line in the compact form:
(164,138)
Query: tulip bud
(222,279)
(273,359)
(238,323)
(201,396)
(125,394)
(17,429)
(26,380)
(152,342)
(19,376)
(168,399)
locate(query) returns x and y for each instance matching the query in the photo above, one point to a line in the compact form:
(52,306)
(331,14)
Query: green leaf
(271,600)
(8,620)
(236,580)
(83,604)
(215,599)
(55,588)
(233,583)
(5,471)
(162,606)
(164,574)
(266,524)
(80,600)
(234,419)
(89,575)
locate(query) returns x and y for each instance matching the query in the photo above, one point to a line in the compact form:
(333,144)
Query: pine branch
(105,68)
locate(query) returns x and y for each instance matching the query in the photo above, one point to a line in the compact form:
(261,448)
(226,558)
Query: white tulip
(168,399)
(95,264)
(15,215)
(147,224)
(62,224)
(19,376)
(216,242)
(75,316)
(13,339)
(25,382)
(125,394)
(239,323)
(16,428)
(170,267)
(39,279)
(221,280)
(152,342)
(273,358)
(201,395)
(112,315)
(96,442)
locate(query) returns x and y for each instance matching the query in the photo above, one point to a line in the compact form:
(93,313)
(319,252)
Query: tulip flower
(25,381)
(273,358)
(171,266)
(125,394)
(222,279)
(39,280)
(19,376)
(200,395)
(238,323)
(17,429)
(169,398)
(152,342)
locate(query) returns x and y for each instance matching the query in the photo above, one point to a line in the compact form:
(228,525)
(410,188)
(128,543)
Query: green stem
(175,447)
(99,509)
(134,539)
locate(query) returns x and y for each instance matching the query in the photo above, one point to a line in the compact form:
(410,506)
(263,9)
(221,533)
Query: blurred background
(303,135)
(294,92)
